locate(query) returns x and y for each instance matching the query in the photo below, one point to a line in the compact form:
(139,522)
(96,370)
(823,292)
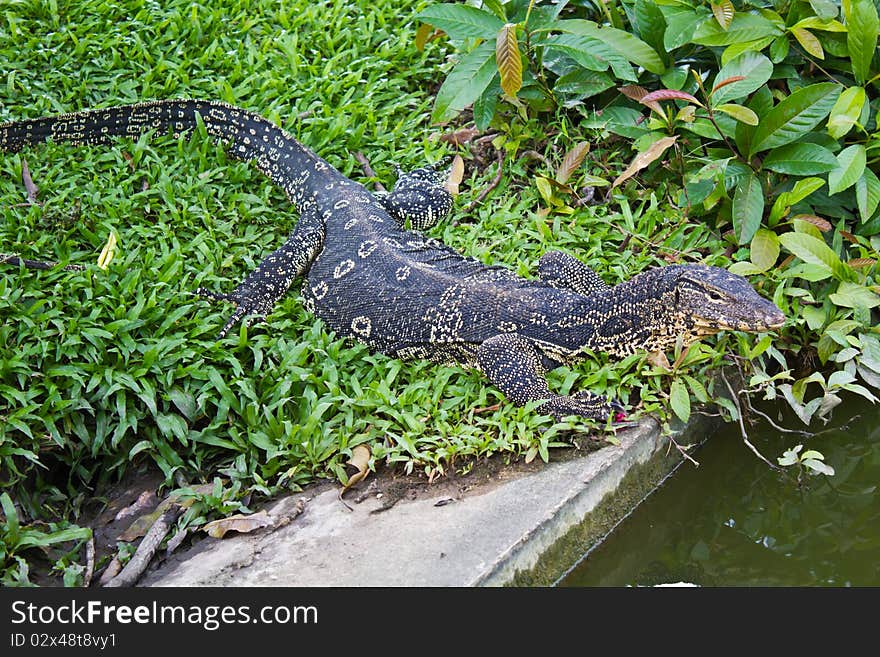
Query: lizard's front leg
(513,363)
(257,294)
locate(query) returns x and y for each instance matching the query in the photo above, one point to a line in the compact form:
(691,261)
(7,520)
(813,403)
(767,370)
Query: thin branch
(770,421)
(368,170)
(683,452)
(145,551)
(90,562)
(492,185)
(13,259)
(742,426)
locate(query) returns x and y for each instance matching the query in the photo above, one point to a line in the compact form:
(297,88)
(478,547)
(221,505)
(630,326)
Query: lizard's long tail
(249,136)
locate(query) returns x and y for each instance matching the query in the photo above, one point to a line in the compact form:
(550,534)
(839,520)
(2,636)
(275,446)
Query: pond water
(735,522)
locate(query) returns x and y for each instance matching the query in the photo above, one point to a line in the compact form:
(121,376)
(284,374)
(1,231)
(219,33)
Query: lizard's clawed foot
(246,311)
(584,404)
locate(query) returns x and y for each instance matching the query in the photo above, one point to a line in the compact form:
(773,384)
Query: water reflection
(733,521)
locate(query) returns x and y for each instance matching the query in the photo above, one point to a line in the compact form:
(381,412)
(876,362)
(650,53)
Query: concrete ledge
(509,532)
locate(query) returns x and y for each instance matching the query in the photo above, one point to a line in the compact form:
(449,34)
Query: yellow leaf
(108,251)
(724,12)
(422,35)
(508,59)
(642,160)
(809,42)
(739,112)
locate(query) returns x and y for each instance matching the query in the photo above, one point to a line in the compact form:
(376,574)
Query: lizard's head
(717,300)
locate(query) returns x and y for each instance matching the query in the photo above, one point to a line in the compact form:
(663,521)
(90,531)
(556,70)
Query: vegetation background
(107,368)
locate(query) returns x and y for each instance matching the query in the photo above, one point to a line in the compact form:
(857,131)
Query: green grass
(101,369)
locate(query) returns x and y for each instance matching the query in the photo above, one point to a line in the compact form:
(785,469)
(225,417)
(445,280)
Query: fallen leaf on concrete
(456,173)
(238,523)
(360,458)
(444,501)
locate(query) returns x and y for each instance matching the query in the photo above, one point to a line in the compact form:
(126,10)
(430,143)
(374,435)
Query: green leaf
(850,166)
(815,252)
(852,295)
(795,116)
(740,113)
(764,249)
(825,9)
(801,190)
(748,208)
(800,159)
(808,42)
(12,524)
(466,82)
(651,24)
(819,466)
(743,27)
(680,400)
(681,23)
(625,44)
(867,194)
(755,70)
(462,21)
(846,111)
(861,37)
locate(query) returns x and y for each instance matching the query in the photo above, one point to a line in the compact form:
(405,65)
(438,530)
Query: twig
(492,185)
(487,409)
(683,452)
(145,551)
(771,422)
(12,259)
(368,170)
(742,425)
(90,562)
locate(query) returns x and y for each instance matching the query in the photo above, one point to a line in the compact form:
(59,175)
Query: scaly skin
(410,296)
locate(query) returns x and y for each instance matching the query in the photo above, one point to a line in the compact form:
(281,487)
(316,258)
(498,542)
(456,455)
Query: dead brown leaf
(642,160)
(238,523)
(360,459)
(459,137)
(572,160)
(29,186)
(456,174)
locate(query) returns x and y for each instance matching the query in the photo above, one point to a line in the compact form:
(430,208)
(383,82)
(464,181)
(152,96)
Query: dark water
(733,521)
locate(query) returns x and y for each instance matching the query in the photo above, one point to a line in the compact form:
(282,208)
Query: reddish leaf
(669,94)
(727,81)
(818,222)
(637,93)
(858,263)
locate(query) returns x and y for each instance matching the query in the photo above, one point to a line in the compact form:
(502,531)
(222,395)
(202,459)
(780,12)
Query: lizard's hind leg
(257,294)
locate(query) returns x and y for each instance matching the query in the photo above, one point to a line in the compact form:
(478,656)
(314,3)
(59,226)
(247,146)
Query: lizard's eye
(715,296)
